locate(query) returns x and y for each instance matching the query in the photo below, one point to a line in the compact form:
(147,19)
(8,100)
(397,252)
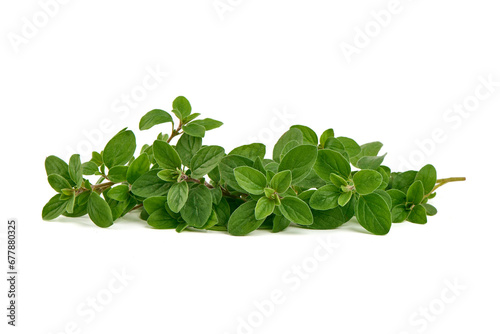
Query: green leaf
(371,162)
(325,198)
(306,195)
(150,184)
(386,169)
(137,168)
(144,215)
(309,136)
(120,149)
(328,133)
(118,174)
(292,134)
(337,180)
(415,193)
(430,209)
(161,219)
(119,193)
(151,204)
(269,192)
(154,117)
(116,207)
(312,180)
(83,198)
(90,168)
(57,182)
(78,209)
(187,146)
(269,174)
(227,166)
(281,181)
(223,211)
(194,130)
(402,181)
(205,160)
(208,123)
(334,144)
(120,208)
(250,179)
(259,165)
(291,144)
(271,166)
(97,158)
(214,176)
(351,147)
(385,196)
(264,208)
(181,227)
(296,210)
(428,176)
(373,214)
(344,198)
(418,215)
(99,211)
(212,220)
(399,213)
(398,197)
(250,151)
(280,223)
(168,175)
(328,162)
(177,196)
(299,160)
(330,219)
(70,203)
(54,208)
(243,221)
(190,117)
(367,150)
(198,206)
(181,107)
(366,181)
(166,156)
(54,165)
(385,177)
(216,195)
(66,194)
(75,169)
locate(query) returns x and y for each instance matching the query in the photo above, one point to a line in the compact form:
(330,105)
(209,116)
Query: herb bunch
(310,182)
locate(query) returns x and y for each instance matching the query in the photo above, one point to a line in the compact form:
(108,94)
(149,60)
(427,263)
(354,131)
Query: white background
(259,67)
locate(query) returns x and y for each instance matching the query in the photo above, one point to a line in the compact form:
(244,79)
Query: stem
(97,187)
(137,206)
(451,179)
(103,185)
(225,192)
(442,182)
(190,179)
(175,132)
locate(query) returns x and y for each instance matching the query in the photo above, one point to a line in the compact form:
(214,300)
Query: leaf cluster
(310,182)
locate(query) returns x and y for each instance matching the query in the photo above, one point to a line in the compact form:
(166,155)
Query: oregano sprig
(310,182)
